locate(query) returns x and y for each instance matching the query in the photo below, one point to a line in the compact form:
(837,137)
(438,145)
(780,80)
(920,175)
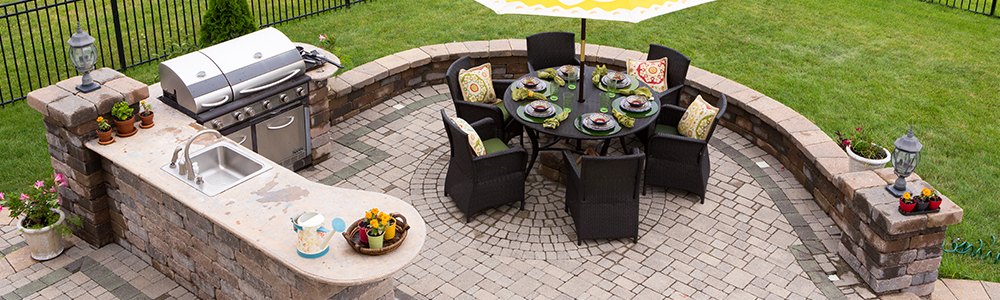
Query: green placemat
(634,85)
(651,112)
(578,123)
(526,117)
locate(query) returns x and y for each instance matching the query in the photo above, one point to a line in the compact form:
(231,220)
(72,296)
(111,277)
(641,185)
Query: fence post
(118,35)
(994,9)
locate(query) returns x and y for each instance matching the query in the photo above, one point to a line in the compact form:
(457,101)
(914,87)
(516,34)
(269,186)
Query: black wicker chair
(602,195)
(677,69)
(676,161)
(476,183)
(551,49)
(472,111)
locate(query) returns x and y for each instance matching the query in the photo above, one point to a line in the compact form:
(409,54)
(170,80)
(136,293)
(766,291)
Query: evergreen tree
(224,20)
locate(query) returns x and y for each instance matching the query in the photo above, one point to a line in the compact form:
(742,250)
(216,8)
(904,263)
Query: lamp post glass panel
(83,56)
(904,160)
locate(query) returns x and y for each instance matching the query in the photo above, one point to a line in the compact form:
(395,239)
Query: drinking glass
(572,78)
(567,97)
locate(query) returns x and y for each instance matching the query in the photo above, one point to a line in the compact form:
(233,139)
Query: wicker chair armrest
(670,96)
(500,86)
(570,162)
(486,128)
(670,114)
(678,147)
(473,111)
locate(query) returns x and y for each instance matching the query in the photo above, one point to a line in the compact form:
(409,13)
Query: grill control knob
(238,116)
(283,98)
(216,124)
(249,111)
(300,91)
(266,104)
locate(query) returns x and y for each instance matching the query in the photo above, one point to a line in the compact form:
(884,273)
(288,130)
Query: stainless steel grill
(251,89)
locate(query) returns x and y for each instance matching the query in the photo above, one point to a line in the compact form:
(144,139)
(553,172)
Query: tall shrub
(224,20)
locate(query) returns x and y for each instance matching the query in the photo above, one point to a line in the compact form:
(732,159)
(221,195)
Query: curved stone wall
(891,252)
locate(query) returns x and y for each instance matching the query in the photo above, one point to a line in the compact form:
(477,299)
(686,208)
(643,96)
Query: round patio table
(567,128)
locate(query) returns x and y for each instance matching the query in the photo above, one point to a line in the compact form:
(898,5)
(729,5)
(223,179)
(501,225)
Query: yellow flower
(100,119)
(373,223)
(368,215)
(906,195)
(374,210)
(926,192)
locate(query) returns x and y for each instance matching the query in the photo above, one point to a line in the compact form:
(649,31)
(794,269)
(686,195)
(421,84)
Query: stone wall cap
(104,98)
(728,87)
(478,49)
(500,48)
(705,81)
(809,137)
(395,64)
(415,56)
(797,123)
(626,55)
(890,175)
(339,87)
(456,50)
(950,214)
(831,167)
(437,52)
(609,55)
(357,79)
(518,47)
(824,149)
(132,90)
(72,111)
(39,99)
(848,183)
(104,75)
(375,70)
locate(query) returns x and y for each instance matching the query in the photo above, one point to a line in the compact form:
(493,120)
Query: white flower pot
(858,163)
(44,243)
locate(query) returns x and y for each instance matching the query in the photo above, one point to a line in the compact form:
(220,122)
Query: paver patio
(758,235)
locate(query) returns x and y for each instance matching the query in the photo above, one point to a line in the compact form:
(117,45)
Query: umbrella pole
(583,52)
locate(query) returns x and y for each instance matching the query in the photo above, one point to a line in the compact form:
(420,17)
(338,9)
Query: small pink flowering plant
(37,203)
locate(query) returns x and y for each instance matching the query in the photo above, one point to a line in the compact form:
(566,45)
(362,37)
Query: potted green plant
(864,151)
(930,198)
(104,132)
(43,224)
(146,116)
(124,119)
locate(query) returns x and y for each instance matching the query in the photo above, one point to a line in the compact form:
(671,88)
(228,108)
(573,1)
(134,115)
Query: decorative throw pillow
(474,141)
(697,119)
(652,72)
(477,84)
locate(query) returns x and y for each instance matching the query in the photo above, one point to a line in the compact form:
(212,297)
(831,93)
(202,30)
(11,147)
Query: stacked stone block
(203,257)
(70,119)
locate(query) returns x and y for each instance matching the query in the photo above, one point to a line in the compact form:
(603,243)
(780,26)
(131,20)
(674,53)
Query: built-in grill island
(252,89)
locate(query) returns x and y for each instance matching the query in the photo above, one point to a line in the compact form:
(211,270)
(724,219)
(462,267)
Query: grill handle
(263,87)
(214,104)
(290,121)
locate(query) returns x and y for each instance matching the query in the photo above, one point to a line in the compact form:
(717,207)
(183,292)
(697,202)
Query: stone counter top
(258,211)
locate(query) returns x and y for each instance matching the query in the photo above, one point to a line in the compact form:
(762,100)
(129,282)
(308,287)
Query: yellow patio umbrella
(613,10)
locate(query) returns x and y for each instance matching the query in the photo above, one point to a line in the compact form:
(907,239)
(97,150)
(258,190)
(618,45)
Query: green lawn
(880,64)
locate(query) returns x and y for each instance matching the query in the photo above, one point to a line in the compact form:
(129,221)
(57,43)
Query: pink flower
(39,184)
(322,37)
(858,129)
(24,197)
(59,179)
(1,196)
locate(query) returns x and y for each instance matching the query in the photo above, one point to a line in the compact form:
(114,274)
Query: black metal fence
(33,33)
(985,7)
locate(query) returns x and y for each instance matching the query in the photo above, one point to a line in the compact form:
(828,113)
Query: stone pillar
(70,119)
(889,251)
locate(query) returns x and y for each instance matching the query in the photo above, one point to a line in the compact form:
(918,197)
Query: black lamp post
(904,159)
(83,56)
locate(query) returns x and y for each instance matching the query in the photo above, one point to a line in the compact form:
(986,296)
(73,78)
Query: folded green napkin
(599,73)
(624,120)
(523,93)
(550,74)
(553,122)
(644,91)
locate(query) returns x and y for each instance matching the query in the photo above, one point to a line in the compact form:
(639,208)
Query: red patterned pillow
(652,72)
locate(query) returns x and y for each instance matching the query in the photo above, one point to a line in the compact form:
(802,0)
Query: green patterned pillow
(477,84)
(697,119)
(474,141)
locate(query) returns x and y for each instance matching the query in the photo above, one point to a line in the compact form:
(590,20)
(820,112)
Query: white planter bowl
(44,243)
(858,163)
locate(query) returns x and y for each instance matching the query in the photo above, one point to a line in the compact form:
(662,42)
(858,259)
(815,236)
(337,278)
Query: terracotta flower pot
(126,128)
(906,207)
(104,137)
(147,120)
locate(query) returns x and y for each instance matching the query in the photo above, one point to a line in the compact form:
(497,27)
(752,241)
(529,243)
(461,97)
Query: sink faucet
(187,155)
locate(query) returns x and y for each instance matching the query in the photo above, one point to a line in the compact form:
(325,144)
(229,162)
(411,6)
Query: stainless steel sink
(222,166)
